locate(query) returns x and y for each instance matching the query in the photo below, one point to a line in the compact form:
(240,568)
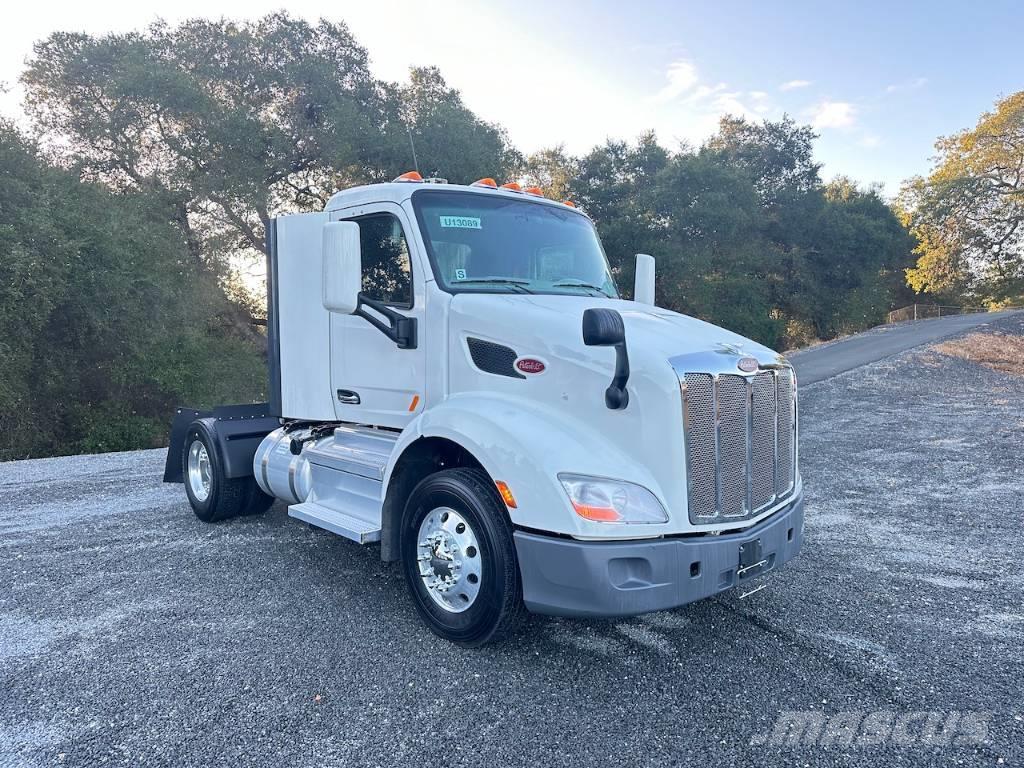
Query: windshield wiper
(518,285)
(580,284)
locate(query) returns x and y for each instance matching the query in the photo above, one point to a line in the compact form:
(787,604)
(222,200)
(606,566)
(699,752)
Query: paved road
(131,634)
(827,360)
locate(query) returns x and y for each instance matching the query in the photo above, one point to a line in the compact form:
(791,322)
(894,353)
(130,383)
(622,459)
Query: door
(374,381)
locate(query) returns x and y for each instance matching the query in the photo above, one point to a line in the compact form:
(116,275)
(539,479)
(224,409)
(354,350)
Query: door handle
(348,397)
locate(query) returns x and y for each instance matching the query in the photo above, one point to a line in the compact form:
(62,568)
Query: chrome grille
(740,436)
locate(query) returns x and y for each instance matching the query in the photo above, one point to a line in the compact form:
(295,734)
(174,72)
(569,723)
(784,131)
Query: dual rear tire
(213,496)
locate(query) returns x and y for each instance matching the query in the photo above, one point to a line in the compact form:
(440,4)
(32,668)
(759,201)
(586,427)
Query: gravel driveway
(132,634)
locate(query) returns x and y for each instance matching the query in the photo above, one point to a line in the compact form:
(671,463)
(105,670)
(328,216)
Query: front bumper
(563,577)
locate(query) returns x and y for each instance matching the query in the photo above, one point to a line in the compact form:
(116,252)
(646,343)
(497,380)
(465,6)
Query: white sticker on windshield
(460,222)
(460,274)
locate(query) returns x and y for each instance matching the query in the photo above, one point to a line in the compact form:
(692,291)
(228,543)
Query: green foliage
(553,171)
(450,141)
(105,321)
(968,214)
(174,146)
(745,233)
(231,121)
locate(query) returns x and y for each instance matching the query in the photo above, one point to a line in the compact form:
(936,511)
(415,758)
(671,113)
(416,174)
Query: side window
(387,271)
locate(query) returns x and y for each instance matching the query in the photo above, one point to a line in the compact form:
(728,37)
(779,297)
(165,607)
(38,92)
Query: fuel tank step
(354,528)
(359,451)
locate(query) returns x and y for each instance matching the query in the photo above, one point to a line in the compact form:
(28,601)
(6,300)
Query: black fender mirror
(604,328)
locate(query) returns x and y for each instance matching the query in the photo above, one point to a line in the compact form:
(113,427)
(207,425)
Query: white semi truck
(454,376)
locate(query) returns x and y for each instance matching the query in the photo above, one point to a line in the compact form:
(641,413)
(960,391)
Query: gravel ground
(132,634)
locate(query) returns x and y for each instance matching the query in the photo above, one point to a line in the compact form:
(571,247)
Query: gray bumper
(563,577)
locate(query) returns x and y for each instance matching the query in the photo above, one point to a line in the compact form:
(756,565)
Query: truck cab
(453,374)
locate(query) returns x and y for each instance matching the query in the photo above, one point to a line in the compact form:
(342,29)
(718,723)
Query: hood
(651,332)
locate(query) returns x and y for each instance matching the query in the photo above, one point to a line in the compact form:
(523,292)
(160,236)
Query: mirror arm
(616,397)
(604,328)
(399,328)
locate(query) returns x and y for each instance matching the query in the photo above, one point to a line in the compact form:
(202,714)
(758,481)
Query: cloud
(688,108)
(681,76)
(792,85)
(907,85)
(833,114)
(870,141)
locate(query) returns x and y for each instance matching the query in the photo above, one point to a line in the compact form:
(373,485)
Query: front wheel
(460,560)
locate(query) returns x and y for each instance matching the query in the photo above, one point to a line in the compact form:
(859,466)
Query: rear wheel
(459,558)
(213,496)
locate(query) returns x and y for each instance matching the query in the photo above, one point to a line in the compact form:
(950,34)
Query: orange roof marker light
(570,203)
(410,176)
(535,191)
(506,494)
(512,186)
(485,182)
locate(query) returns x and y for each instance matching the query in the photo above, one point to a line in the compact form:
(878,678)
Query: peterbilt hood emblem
(530,365)
(747,364)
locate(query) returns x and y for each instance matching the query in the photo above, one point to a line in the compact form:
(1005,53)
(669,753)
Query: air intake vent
(493,358)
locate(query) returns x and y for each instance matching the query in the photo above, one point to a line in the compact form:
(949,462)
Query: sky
(878,81)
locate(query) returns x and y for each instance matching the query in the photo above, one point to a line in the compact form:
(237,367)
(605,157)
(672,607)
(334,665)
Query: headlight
(612,501)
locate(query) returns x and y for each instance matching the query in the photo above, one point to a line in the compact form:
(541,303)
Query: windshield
(491,243)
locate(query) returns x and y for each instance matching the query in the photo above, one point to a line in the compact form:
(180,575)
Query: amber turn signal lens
(506,494)
(601,514)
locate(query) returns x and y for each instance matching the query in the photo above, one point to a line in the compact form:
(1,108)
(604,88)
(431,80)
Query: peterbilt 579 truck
(454,375)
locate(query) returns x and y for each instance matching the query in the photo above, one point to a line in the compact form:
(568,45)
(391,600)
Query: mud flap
(237,429)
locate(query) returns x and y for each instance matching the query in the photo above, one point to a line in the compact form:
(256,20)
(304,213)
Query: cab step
(357,529)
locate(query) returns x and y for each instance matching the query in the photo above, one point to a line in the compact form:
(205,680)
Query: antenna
(415,162)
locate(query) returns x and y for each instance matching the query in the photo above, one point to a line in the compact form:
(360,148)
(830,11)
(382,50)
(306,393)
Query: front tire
(459,558)
(213,496)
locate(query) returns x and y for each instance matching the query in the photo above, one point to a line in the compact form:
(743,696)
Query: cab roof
(400,191)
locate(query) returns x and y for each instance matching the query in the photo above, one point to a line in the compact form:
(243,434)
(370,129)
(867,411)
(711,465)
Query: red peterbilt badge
(530,365)
(747,364)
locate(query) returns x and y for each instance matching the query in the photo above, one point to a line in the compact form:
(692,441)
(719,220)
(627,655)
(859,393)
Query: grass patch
(998,351)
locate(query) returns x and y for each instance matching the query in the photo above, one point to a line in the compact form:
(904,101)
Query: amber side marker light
(506,494)
(414,403)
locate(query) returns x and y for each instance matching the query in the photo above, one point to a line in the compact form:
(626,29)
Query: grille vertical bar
(732,446)
(787,438)
(701,445)
(740,442)
(762,440)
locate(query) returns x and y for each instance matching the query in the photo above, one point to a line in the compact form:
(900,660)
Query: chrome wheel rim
(449,560)
(199,470)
